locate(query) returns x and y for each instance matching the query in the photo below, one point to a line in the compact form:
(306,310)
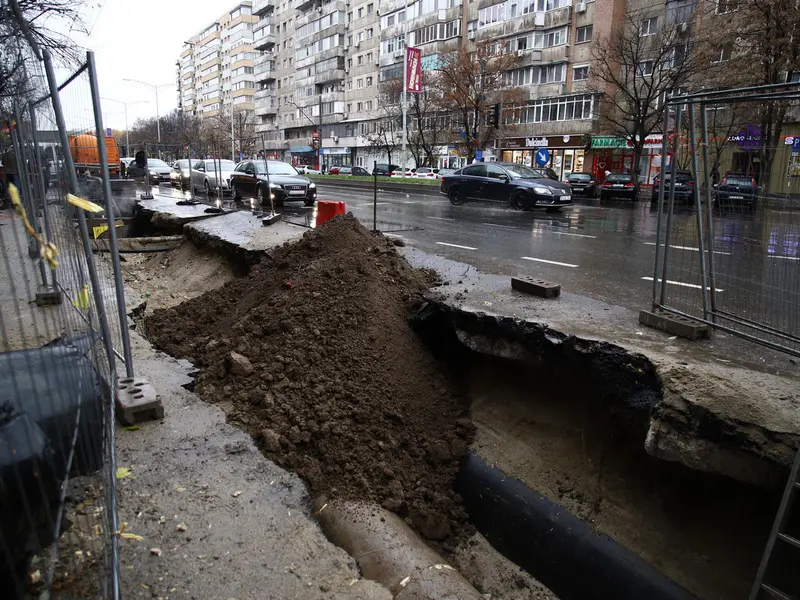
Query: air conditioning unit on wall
(580,7)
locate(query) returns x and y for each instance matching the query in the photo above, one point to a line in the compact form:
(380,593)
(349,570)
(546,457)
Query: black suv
(522,187)
(684,187)
(582,184)
(737,191)
(384,169)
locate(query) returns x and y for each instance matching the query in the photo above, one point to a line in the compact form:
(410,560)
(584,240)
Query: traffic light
(493,119)
(315,143)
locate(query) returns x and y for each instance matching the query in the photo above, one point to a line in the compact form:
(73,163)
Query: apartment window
(492,14)
(349,63)
(350,85)
(360,106)
(350,16)
(553,73)
(390,20)
(369,81)
(645,67)
(676,55)
(794,77)
(583,34)
(349,108)
(522,43)
(580,73)
(555,38)
(360,12)
(649,26)
(369,104)
(370,8)
(369,57)
(370,33)
(359,83)
(725,53)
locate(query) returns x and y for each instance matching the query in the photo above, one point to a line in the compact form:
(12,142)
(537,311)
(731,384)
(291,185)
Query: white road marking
(682,284)
(591,237)
(497,225)
(784,257)
(687,248)
(456,246)
(392,235)
(441,218)
(550,262)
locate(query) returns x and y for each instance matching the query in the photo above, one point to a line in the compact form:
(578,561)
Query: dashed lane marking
(583,235)
(456,246)
(550,262)
(682,284)
(441,218)
(688,248)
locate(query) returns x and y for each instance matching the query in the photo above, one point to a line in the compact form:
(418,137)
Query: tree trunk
(637,158)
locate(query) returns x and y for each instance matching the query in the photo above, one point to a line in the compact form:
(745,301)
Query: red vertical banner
(414,70)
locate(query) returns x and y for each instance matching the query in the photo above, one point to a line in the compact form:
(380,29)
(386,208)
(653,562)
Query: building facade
(216,69)
(319,65)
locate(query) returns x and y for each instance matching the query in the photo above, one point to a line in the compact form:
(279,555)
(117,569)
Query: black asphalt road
(601,250)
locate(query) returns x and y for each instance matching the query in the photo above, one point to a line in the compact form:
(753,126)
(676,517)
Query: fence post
(712,283)
(661,183)
(24,185)
(43,185)
(102,153)
(698,208)
(671,207)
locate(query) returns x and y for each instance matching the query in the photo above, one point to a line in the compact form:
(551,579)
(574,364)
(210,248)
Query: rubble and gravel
(312,354)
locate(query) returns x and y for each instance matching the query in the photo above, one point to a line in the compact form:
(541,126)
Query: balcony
(329,76)
(263,94)
(265,72)
(263,7)
(529,57)
(265,41)
(558,16)
(270,108)
(302,4)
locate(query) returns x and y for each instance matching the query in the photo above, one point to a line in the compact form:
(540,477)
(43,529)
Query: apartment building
(320,64)
(216,69)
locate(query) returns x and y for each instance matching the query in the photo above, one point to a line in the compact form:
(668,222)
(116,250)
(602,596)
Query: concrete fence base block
(137,400)
(48,296)
(675,324)
(389,552)
(536,287)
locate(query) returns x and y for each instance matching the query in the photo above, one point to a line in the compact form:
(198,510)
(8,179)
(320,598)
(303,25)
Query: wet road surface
(604,251)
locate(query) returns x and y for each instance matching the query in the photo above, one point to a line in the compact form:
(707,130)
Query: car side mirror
(504,177)
(716,185)
(249,172)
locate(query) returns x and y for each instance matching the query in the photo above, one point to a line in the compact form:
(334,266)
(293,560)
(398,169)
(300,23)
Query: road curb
(384,185)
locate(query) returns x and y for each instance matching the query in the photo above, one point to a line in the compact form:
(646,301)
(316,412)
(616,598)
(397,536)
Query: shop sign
(608,143)
(328,151)
(748,138)
(540,142)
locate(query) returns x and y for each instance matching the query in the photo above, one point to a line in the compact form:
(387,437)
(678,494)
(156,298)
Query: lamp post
(125,104)
(158,115)
(317,127)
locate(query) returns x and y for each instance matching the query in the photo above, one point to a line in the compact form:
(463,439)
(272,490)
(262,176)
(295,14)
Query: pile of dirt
(315,354)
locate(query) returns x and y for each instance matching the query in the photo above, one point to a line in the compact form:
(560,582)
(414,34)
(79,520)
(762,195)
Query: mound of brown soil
(315,352)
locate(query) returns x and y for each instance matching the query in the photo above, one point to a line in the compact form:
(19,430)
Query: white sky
(141,39)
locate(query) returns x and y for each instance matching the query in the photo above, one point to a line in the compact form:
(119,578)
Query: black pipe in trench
(555,547)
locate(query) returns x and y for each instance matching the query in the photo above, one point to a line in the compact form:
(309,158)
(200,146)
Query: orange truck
(83,148)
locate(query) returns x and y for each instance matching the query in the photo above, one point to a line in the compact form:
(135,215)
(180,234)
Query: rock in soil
(335,385)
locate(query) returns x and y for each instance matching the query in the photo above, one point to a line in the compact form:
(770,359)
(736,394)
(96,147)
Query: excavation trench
(334,355)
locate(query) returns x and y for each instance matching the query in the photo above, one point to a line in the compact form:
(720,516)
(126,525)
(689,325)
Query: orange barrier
(326,210)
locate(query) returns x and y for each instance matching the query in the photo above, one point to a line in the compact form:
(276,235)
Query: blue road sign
(542,157)
(478,154)
(796,144)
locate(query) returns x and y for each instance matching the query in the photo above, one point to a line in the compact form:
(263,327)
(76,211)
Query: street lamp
(317,127)
(158,115)
(125,104)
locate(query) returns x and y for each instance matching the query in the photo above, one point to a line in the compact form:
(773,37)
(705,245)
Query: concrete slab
(166,214)
(241,232)
(702,403)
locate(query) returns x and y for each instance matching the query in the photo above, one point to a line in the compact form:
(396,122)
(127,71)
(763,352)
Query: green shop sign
(608,142)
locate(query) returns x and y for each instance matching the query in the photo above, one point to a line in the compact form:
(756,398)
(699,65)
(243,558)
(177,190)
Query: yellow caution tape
(98,231)
(47,250)
(84,204)
(82,299)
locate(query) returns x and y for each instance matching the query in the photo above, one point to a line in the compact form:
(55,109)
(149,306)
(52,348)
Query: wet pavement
(604,251)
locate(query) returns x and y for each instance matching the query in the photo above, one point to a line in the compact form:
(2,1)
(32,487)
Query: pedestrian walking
(10,168)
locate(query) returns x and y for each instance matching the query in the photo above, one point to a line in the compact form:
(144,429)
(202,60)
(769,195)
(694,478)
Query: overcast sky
(141,39)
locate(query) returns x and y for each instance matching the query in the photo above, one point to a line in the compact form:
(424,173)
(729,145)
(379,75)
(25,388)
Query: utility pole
(319,147)
(478,104)
(233,142)
(405,87)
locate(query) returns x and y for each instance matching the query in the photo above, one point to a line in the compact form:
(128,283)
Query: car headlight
(274,185)
(543,190)
(312,185)
(153,174)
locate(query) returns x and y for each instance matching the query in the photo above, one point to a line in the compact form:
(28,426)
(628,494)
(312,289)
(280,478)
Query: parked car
(283,182)
(582,184)
(618,185)
(357,171)
(384,169)
(426,173)
(157,171)
(179,177)
(443,172)
(307,170)
(522,187)
(398,172)
(684,187)
(205,172)
(737,191)
(334,170)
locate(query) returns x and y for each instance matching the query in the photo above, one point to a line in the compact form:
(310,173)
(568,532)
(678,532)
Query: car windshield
(182,164)
(738,181)
(680,177)
(156,162)
(619,178)
(523,172)
(579,177)
(276,167)
(224,165)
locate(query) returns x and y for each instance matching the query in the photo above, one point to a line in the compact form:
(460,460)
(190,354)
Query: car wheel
(235,192)
(520,201)
(603,197)
(456,197)
(207,188)
(309,201)
(260,195)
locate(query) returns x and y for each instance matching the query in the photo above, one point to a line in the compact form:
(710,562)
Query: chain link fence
(64,344)
(736,265)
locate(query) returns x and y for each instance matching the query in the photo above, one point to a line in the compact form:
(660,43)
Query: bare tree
(385,135)
(244,129)
(427,122)
(634,70)
(23,22)
(468,84)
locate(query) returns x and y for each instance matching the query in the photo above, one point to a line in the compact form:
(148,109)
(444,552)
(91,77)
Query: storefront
(335,157)
(615,154)
(303,155)
(566,152)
